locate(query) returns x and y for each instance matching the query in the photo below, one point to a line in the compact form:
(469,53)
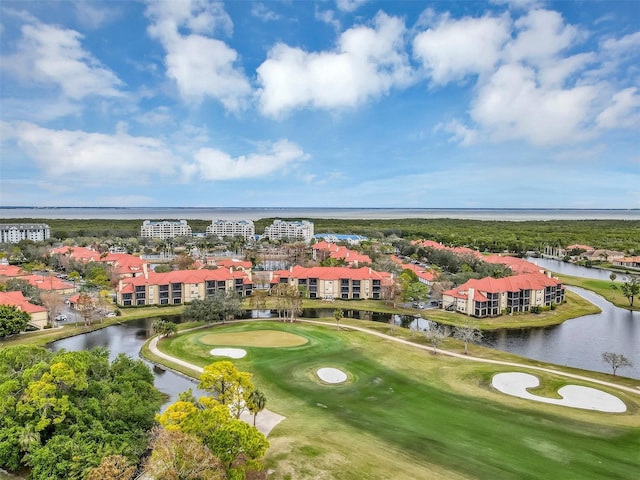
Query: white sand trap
(228,352)
(574,396)
(331,375)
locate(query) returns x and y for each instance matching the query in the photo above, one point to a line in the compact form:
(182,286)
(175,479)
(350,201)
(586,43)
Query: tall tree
(113,467)
(53,302)
(256,403)
(230,386)
(630,289)
(615,361)
(468,333)
(12,320)
(435,334)
(338,314)
(181,456)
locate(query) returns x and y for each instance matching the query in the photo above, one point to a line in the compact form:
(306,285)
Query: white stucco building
(165,229)
(301,230)
(15,232)
(232,228)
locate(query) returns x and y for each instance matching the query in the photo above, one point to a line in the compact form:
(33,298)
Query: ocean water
(257,213)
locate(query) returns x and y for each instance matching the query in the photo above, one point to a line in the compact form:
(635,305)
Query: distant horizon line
(13,207)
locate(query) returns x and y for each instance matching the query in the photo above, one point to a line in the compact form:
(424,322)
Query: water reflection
(128,338)
(564,268)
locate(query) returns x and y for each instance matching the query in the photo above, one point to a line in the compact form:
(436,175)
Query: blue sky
(347,103)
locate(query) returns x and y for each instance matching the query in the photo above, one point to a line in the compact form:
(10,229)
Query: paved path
(265,420)
(481,360)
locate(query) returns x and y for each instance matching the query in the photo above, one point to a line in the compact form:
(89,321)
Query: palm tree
(338,314)
(256,403)
(28,438)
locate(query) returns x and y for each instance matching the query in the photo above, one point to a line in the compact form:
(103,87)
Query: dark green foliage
(29,291)
(61,413)
(492,236)
(12,320)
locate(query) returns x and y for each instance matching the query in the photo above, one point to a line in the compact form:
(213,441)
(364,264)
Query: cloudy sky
(347,103)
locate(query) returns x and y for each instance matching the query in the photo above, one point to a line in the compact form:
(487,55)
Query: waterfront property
(16,232)
(165,229)
(335,282)
(627,262)
(281,230)
(490,297)
(181,286)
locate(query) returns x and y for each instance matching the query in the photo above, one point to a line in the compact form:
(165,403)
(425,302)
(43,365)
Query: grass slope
(410,414)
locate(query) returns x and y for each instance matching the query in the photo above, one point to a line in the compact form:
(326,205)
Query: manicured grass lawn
(255,338)
(603,288)
(409,414)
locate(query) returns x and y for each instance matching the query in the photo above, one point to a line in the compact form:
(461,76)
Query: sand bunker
(331,375)
(574,396)
(228,352)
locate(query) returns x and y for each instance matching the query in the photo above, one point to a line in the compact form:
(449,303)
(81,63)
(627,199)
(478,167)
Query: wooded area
(484,235)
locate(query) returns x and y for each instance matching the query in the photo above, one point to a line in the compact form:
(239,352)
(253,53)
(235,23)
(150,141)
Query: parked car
(61,318)
(111,314)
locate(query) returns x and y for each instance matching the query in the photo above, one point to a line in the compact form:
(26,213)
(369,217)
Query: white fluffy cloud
(201,66)
(453,49)
(367,62)
(512,105)
(51,55)
(527,86)
(350,5)
(212,164)
(82,156)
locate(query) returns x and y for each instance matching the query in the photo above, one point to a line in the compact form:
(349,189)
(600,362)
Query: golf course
(407,413)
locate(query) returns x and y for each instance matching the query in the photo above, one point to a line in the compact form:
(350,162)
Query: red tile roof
(11,271)
(517,265)
(182,276)
(50,282)
(515,283)
(233,263)
(331,273)
(17,299)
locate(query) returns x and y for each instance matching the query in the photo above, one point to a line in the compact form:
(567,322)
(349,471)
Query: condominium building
(278,230)
(490,297)
(15,232)
(335,282)
(232,228)
(181,286)
(165,229)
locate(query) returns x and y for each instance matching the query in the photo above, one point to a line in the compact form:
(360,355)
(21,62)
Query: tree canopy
(12,320)
(62,413)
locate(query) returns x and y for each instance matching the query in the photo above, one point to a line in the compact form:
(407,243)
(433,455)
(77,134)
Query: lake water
(564,268)
(257,213)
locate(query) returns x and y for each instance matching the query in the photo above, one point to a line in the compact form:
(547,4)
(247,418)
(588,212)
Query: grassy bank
(42,337)
(406,413)
(602,288)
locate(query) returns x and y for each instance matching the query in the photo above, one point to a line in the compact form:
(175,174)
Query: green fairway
(406,413)
(257,338)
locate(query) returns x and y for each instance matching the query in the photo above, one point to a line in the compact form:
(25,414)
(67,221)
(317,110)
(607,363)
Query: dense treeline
(483,235)
(62,413)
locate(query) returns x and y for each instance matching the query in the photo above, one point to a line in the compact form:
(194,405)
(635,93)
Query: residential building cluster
(278,230)
(16,232)
(323,250)
(490,297)
(331,283)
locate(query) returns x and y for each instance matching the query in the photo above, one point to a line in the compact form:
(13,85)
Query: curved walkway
(265,420)
(481,360)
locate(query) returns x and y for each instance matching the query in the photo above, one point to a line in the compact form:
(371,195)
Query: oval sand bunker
(331,375)
(228,352)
